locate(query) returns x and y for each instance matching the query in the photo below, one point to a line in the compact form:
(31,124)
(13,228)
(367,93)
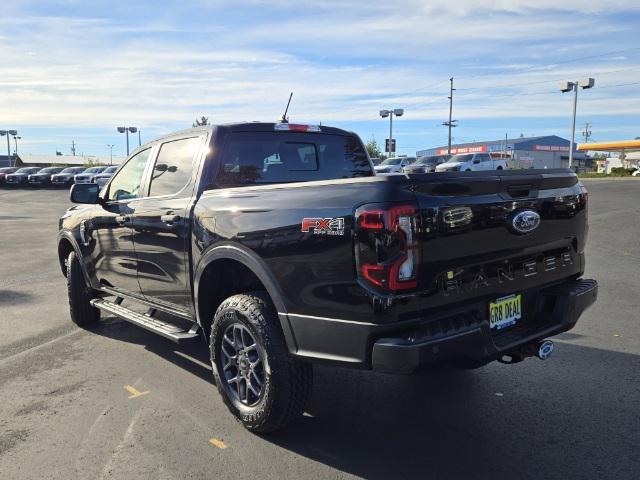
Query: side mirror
(84,193)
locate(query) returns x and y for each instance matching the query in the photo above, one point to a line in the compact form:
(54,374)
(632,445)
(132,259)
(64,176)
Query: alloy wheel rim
(242,364)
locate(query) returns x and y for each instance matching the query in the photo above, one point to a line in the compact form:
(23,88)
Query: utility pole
(73,148)
(139,139)
(450,123)
(587,132)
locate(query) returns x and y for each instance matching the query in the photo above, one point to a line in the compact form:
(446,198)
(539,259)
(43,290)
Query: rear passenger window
(262,158)
(173,167)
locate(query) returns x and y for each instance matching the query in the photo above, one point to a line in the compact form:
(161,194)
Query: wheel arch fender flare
(245,256)
(65,235)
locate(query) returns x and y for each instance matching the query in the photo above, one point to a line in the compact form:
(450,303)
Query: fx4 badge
(323,226)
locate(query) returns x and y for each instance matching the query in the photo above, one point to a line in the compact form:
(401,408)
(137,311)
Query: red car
(4,171)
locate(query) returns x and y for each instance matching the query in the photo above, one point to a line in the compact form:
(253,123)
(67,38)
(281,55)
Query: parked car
(20,176)
(5,171)
(88,174)
(426,164)
(103,177)
(394,164)
(43,177)
(471,162)
(65,177)
(282,248)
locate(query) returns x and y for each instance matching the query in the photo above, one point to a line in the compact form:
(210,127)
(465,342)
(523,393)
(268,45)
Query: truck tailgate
(471,235)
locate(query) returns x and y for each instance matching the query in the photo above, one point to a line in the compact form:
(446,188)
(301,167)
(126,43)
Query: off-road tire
(82,313)
(287,381)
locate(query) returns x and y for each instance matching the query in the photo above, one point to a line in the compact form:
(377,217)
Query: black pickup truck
(278,245)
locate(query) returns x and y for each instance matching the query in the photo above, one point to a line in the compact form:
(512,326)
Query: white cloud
(343,60)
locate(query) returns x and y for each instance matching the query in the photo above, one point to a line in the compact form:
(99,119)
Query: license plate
(505,311)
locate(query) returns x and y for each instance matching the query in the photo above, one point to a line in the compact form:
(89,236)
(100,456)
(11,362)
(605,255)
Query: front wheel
(261,384)
(80,296)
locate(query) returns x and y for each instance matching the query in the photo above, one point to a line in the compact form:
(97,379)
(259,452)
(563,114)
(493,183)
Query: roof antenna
(284,115)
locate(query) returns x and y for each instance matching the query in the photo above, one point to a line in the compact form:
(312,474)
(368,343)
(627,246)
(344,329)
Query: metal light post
(573,86)
(110,154)
(8,133)
(15,141)
(398,112)
(126,130)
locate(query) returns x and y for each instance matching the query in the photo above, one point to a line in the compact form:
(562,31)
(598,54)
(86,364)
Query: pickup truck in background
(472,162)
(278,245)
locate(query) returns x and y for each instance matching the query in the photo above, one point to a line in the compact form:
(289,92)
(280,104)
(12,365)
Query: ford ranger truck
(278,245)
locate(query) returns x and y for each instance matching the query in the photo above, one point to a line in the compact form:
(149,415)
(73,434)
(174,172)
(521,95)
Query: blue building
(528,152)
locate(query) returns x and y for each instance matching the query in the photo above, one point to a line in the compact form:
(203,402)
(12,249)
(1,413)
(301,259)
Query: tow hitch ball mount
(541,349)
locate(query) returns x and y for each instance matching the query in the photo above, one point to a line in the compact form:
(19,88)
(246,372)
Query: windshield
(73,170)
(28,170)
(49,170)
(462,158)
(110,170)
(392,161)
(94,170)
(7,170)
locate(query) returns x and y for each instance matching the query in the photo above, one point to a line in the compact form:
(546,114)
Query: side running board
(168,330)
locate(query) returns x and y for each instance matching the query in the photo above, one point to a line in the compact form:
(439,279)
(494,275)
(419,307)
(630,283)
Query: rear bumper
(463,336)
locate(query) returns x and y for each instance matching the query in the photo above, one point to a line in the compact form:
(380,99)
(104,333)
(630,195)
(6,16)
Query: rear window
(264,157)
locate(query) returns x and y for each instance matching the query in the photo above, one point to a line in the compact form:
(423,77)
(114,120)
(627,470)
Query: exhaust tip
(545,349)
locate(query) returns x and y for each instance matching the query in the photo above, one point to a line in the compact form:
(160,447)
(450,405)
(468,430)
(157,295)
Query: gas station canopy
(620,146)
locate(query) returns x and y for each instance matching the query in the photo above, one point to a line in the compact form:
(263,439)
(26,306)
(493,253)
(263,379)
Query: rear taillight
(386,246)
(585,197)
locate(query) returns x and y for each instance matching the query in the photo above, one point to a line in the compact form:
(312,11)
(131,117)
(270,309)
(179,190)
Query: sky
(75,70)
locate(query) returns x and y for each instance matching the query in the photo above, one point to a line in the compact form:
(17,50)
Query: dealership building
(527,152)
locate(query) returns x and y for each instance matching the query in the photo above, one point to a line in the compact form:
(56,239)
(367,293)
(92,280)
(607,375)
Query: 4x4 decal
(323,226)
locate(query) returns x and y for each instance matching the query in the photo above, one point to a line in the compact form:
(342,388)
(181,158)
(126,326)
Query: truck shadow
(193,358)
(553,419)
(536,419)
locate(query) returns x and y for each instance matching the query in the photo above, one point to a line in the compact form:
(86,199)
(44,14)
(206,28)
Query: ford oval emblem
(525,221)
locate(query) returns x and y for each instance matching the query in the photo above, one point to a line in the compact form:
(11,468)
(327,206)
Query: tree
(201,122)
(373,150)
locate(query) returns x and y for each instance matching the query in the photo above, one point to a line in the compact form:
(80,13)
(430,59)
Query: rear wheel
(80,295)
(262,385)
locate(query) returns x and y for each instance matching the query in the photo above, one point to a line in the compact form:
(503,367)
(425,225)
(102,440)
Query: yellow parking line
(218,443)
(134,393)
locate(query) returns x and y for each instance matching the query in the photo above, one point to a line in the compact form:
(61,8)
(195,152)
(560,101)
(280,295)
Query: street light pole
(573,86)
(398,112)
(15,141)
(391,134)
(110,154)
(8,133)
(126,131)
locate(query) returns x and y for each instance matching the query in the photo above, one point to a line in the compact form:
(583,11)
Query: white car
(472,162)
(394,164)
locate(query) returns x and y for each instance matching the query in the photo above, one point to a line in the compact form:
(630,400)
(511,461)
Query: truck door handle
(123,219)
(170,219)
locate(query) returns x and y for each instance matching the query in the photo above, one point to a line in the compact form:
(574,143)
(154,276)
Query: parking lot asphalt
(118,402)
